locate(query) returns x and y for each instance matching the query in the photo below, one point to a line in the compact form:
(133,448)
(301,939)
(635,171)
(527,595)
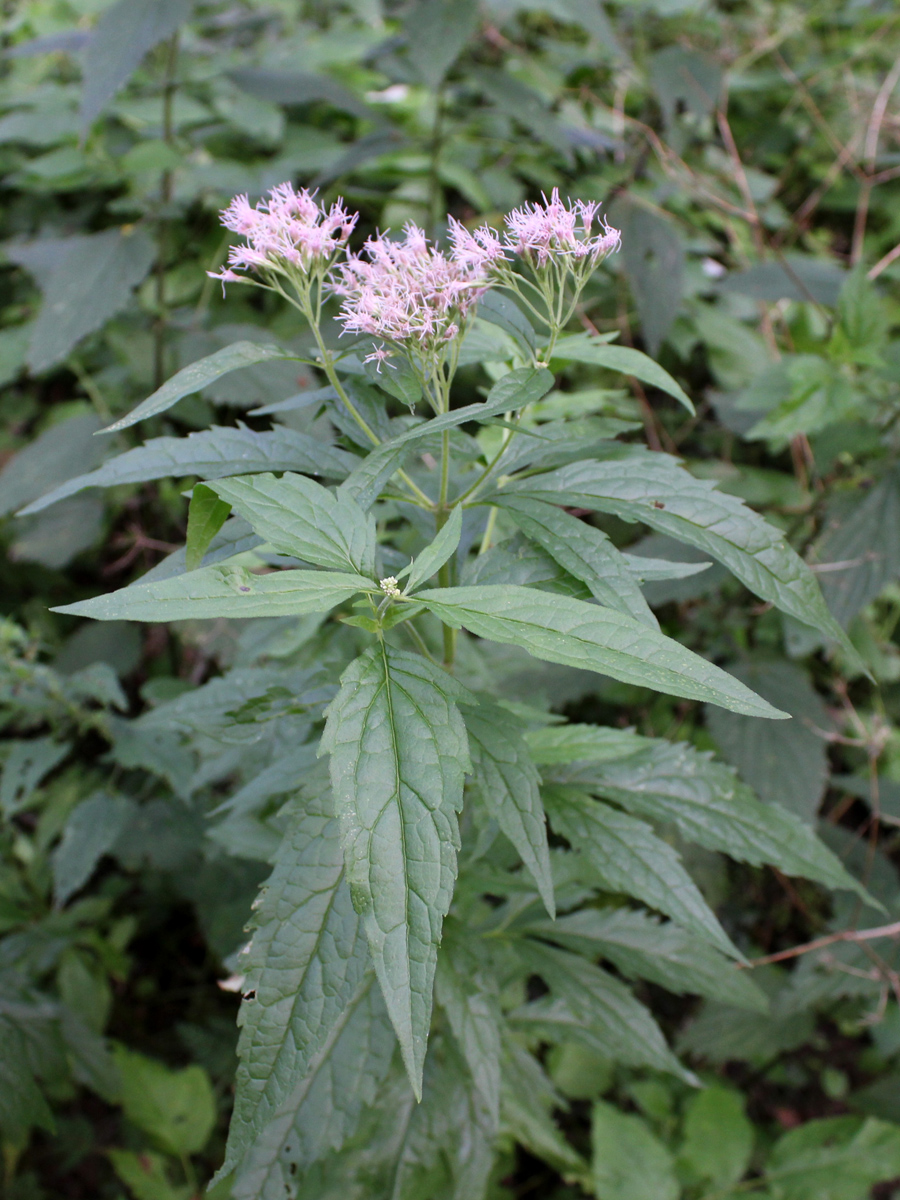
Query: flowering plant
(391,1030)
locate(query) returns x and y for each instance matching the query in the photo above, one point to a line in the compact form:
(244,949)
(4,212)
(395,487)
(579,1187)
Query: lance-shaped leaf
(235,537)
(710,806)
(433,557)
(206,516)
(300,517)
(654,489)
(475,1019)
(398,757)
(509,786)
(584,551)
(211,454)
(223,592)
(586,349)
(305,967)
(514,391)
(191,379)
(577,634)
(628,857)
(643,947)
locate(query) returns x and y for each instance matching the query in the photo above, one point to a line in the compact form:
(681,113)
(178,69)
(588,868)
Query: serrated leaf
(27,762)
(305,978)
(191,379)
(642,947)
(528,1098)
(475,1019)
(223,592)
(235,537)
(514,391)
(433,557)
(583,348)
(206,516)
(654,489)
(211,454)
(508,783)
(653,257)
(398,757)
(93,828)
(573,743)
(125,32)
(50,459)
(718,1137)
(628,1162)
(628,857)
(576,634)
(584,551)
(436,31)
(300,517)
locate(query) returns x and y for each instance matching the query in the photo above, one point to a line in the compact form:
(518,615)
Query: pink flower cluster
(288,229)
(537,231)
(407,291)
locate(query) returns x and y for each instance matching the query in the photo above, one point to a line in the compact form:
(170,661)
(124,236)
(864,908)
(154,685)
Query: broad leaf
(300,517)
(433,557)
(718,1137)
(586,349)
(474,1016)
(191,379)
(65,448)
(436,31)
(27,762)
(628,857)
(211,454)
(398,756)
(654,489)
(206,516)
(528,1099)
(305,976)
(585,552)
(91,831)
(176,1108)
(223,592)
(576,634)
(653,257)
(235,537)
(508,783)
(628,1162)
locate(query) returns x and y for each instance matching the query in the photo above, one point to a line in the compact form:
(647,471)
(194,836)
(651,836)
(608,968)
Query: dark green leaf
(436,31)
(93,828)
(628,1162)
(65,448)
(581,347)
(433,557)
(27,762)
(206,516)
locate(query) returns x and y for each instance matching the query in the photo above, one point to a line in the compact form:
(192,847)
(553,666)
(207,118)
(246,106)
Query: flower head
(539,231)
(287,230)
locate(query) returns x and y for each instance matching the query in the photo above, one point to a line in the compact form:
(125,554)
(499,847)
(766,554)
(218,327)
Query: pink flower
(539,231)
(478,249)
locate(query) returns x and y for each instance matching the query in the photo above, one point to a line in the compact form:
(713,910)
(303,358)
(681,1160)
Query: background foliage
(750,154)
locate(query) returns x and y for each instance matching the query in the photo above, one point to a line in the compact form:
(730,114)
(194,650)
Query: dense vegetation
(692,465)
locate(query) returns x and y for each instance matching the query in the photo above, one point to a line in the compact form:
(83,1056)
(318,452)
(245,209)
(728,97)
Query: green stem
(488,531)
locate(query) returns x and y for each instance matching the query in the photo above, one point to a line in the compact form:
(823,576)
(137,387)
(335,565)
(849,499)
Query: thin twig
(845,935)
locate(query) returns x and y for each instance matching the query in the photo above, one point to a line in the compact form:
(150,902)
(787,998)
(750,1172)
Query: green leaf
(628,1162)
(300,517)
(718,1137)
(206,516)
(90,283)
(703,798)
(305,976)
(433,557)
(585,552)
(508,784)
(653,257)
(53,456)
(436,31)
(145,1175)
(224,592)
(572,743)
(576,634)
(27,762)
(191,379)
(834,1159)
(528,1099)
(642,947)
(125,32)
(93,828)
(586,349)
(628,857)
(235,537)
(514,391)
(211,454)
(398,756)
(502,311)
(654,489)
(176,1108)
(474,1016)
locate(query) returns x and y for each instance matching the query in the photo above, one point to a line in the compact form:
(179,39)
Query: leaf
(514,391)
(433,557)
(93,828)
(521,104)
(834,1159)
(508,783)
(791,771)
(398,756)
(145,1175)
(125,32)
(206,516)
(583,348)
(685,80)
(627,1161)
(528,1098)
(653,258)
(640,946)
(305,972)
(53,539)
(300,517)
(709,806)
(223,592)
(176,1108)
(235,537)
(50,459)
(502,311)
(27,763)
(90,282)
(475,1018)
(191,379)
(628,857)
(585,552)
(793,277)
(436,31)
(656,491)
(718,1137)
(211,454)
(576,634)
